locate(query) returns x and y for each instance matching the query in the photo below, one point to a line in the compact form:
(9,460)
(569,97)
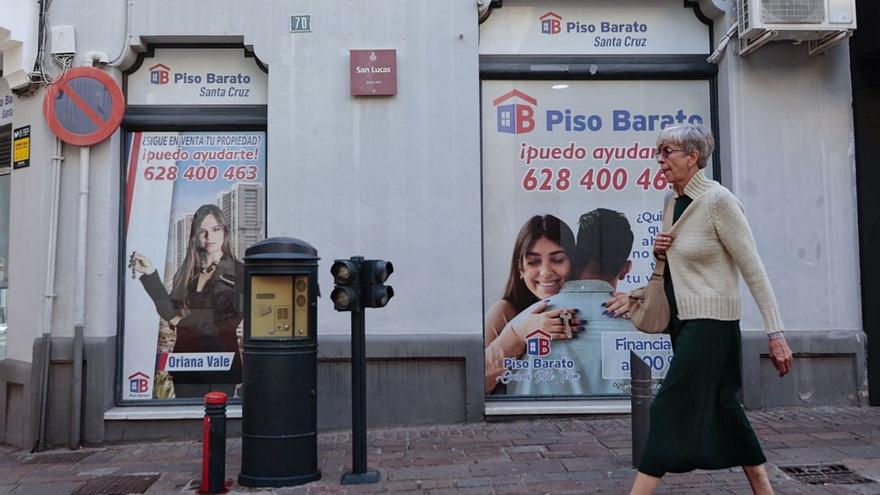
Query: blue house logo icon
(551,23)
(538,343)
(159,74)
(513,117)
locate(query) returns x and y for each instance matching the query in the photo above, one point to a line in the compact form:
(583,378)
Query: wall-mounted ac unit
(821,22)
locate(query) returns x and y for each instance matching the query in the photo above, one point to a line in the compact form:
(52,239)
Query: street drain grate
(118,485)
(825,474)
(58,458)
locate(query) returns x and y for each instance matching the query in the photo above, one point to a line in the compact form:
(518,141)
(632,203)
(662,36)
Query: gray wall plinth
(829,369)
(16,425)
(432,378)
(411,379)
(20,393)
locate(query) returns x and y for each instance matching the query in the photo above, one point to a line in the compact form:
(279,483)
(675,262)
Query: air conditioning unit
(821,22)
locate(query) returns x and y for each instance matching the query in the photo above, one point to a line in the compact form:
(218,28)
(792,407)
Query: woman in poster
(202,308)
(539,265)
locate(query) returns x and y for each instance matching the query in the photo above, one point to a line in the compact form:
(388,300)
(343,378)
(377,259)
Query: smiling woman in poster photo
(202,307)
(539,265)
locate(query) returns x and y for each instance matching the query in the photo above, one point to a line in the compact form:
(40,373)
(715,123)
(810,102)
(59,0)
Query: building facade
(263,118)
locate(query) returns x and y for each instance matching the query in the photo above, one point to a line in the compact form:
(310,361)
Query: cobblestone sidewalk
(547,455)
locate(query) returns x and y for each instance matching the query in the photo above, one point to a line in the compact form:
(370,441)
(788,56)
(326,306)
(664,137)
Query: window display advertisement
(194,201)
(572,199)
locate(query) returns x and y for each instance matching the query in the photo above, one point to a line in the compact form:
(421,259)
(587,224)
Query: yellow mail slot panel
(279,307)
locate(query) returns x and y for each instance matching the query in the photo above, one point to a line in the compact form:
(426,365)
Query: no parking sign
(84,107)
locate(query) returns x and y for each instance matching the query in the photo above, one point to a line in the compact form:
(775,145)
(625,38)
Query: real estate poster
(572,199)
(193,202)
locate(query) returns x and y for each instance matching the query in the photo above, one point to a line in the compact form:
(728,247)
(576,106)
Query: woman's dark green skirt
(696,419)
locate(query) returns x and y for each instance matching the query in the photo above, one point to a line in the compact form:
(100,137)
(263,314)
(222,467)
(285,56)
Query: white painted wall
(395,178)
(28,211)
(788,154)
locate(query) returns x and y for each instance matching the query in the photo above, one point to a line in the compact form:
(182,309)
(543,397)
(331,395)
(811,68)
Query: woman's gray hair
(691,138)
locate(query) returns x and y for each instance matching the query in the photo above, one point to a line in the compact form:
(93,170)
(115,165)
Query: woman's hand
(781,355)
(618,305)
(140,263)
(662,241)
(550,322)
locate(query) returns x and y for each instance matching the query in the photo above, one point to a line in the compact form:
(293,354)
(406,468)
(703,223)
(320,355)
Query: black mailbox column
(280,360)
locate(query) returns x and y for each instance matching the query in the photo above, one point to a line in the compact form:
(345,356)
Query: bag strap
(668,212)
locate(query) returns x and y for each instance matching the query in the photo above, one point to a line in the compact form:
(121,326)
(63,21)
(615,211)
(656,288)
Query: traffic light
(360,283)
(374,293)
(346,294)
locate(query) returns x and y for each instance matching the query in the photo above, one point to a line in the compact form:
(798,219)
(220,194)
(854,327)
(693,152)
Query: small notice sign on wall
(21,147)
(373,72)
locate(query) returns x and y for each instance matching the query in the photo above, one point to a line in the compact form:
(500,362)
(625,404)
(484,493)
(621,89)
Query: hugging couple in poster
(558,284)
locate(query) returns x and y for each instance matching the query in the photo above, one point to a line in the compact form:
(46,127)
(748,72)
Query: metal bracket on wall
(818,47)
(748,46)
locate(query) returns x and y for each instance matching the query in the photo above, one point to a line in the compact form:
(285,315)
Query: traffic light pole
(358,392)
(359,284)
(359,474)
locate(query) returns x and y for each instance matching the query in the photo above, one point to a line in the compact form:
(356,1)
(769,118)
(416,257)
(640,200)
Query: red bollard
(214,444)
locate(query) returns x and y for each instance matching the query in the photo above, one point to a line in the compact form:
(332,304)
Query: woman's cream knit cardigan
(711,240)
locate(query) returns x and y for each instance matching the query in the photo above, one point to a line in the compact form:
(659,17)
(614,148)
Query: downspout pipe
(49,296)
(484,8)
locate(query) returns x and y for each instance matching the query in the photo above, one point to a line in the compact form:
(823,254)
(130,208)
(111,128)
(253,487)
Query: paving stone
(438,483)
(98,471)
(527,448)
(428,472)
(861,451)
(558,455)
(46,488)
(806,455)
(481,490)
(594,475)
(800,490)
(496,469)
(852,489)
(556,487)
(474,482)
(613,486)
(442,491)
(525,456)
(589,463)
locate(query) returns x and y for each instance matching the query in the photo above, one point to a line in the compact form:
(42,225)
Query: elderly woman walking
(696,420)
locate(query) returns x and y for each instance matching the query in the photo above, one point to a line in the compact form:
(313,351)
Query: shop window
(573,99)
(194,197)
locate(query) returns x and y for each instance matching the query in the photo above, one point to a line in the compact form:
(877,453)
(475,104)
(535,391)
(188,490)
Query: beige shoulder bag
(648,307)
